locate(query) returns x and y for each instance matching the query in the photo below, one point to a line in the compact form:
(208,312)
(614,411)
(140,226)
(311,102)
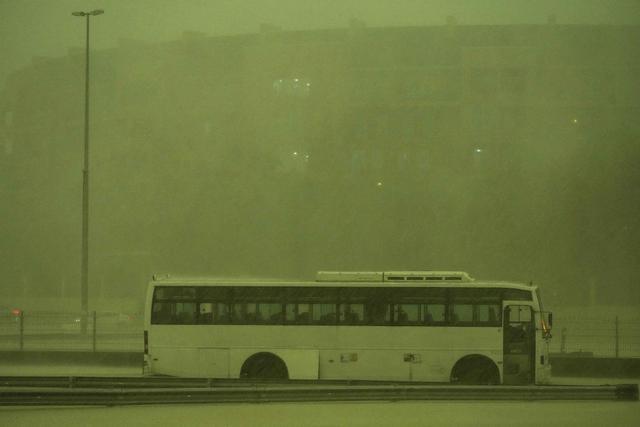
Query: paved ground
(432,413)
(566,414)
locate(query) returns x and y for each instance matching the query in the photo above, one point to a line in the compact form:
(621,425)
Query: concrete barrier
(585,365)
(562,364)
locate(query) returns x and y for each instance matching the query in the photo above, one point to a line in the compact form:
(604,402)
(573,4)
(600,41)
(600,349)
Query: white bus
(391,326)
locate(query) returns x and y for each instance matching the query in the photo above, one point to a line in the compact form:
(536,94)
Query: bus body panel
(324,352)
(362,352)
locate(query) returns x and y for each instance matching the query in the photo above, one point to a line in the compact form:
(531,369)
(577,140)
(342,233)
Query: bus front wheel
(475,369)
(264,366)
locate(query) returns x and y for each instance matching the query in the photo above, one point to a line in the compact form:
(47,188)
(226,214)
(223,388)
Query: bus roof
(351,279)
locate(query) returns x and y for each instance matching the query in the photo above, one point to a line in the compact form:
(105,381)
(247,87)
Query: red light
(16,312)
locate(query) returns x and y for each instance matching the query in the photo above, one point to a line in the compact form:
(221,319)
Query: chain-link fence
(93,331)
(601,333)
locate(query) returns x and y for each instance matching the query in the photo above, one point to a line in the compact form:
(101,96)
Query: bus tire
(475,369)
(264,365)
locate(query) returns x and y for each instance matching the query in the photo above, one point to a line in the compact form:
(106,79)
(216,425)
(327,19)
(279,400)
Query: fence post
(94,331)
(563,340)
(617,338)
(21,330)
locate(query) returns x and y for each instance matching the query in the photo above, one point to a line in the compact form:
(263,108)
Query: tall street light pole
(84,280)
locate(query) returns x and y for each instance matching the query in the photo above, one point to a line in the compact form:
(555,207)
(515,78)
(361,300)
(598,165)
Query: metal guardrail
(140,382)
(139,391)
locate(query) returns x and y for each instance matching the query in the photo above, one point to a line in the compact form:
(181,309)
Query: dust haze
(275,139)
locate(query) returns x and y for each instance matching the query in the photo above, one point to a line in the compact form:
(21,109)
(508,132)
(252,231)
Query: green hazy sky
(31,28)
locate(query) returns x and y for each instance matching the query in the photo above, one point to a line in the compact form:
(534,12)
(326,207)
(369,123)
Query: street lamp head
(93,13)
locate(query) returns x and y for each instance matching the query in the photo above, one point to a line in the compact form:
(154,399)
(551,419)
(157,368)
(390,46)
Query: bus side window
(270,312)
(213,312)
(162,313)
(324,313)
(222,313)
(518,323)
(185,313)
(290,313)
(406,313)
(351,314)
(378,313)
(488,314)
(206,313)
(519,313)
(433,314)
(252,314)
(356,313)
(304,313)
(243,313)
(297,313)
(461,314)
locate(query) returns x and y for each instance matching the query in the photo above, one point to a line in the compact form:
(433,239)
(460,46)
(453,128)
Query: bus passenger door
(518,344)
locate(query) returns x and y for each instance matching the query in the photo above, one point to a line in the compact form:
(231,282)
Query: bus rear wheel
(475,369)
(264,366)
